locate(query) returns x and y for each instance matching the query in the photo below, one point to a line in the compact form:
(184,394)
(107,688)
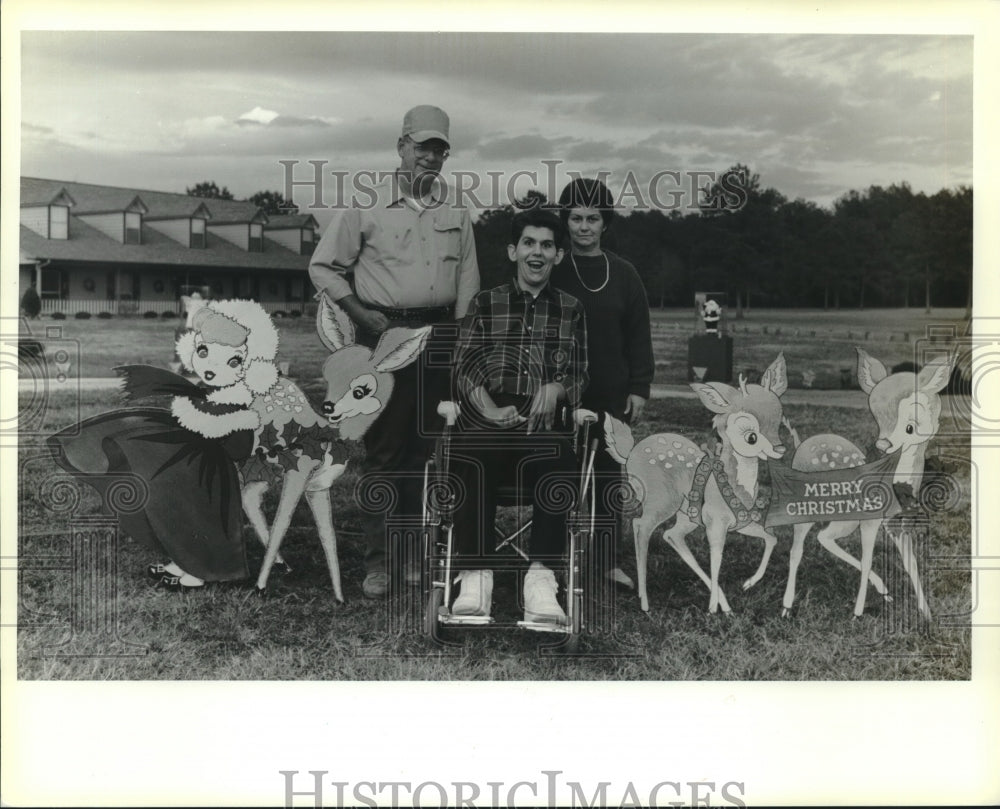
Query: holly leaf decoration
(289,433)
(312,441)
(289,460)
(257,467)
(268,435)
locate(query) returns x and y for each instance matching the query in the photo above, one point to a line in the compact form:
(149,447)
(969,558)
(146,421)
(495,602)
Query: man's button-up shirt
(401,253)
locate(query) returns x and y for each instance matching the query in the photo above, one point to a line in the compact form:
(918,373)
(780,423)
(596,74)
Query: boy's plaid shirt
(513,343)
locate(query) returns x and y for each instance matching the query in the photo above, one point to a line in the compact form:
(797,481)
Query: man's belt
(427,314)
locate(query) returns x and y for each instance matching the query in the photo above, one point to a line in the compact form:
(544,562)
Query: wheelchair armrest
(583,416)
(449,411)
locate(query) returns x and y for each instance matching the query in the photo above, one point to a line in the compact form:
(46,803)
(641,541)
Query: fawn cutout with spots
(668,477)
(307,445)
(906,407)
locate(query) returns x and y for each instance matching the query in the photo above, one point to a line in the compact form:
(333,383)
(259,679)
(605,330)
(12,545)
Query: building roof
(295,220)
(232,211)
(163,205)
(42,192)
(91,198)
(88,244)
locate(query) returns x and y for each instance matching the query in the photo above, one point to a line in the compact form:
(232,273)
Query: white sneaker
(540,605)
(476,594)
(621,578)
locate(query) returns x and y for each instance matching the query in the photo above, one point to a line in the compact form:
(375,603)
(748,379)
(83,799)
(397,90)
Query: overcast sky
(814,115)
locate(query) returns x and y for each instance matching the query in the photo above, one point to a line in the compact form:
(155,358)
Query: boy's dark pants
(542,466)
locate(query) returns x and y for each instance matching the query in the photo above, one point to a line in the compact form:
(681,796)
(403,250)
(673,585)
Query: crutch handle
(583,416)
(449,412)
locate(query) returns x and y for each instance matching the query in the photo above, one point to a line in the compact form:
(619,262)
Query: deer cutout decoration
(672,476)
(906,407)
(359,383)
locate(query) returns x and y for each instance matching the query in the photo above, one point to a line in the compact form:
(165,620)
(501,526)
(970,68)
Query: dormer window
(58,222)
(48,221)
(308,242)
(256,238)
(198,233)
(133,228)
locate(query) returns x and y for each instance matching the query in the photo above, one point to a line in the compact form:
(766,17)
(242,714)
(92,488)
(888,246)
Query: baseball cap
(425,123)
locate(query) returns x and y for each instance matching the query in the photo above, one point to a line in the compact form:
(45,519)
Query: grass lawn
(811,339)
(226,632)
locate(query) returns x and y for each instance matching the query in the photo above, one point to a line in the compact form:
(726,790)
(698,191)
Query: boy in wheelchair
(521,358)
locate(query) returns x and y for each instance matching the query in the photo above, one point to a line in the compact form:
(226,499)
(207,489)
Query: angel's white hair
(262,341)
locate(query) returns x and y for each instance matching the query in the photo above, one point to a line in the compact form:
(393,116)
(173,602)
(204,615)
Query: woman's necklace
(607,273)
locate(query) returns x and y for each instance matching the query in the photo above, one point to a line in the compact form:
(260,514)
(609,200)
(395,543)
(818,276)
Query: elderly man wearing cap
(408,258)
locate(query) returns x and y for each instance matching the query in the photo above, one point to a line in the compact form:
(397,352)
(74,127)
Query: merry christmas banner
(855,493)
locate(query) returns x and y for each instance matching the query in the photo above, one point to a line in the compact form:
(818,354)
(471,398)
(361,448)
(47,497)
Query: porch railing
(70,306)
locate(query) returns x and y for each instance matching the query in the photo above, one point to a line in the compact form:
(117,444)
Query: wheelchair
(437,535)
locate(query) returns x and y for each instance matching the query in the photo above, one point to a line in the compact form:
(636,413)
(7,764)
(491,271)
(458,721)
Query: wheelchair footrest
(465,620)
(539,626)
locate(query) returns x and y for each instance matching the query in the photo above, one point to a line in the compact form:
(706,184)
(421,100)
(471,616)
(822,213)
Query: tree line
(881,247)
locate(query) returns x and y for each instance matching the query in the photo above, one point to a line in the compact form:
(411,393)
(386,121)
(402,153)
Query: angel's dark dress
(192,512)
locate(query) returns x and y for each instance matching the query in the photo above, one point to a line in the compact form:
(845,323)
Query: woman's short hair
(586,193)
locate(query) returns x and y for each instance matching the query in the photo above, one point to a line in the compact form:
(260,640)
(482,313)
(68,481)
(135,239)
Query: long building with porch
(123,251)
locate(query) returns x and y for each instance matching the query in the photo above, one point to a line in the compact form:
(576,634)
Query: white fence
(283,306)
(70,306)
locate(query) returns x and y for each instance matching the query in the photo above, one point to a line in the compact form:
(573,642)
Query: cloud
(823,107)
(522,147)
(648,154)
(292,120)
(261,117)
(28,129)
(590,150)
(258,115)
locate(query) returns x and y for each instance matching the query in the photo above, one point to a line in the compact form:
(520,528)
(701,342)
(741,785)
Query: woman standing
(619,345)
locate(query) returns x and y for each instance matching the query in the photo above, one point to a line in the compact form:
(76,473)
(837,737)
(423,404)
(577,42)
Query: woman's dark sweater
(619,346)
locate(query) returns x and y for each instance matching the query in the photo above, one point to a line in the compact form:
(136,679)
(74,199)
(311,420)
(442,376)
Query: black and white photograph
(425,405)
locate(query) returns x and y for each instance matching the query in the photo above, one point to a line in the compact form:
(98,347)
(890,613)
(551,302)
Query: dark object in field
(168,314)
(295,313)
(713,355)
(82,315)
(845,378)
(31,304)
(150,315)
(58,316)
(105,315)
